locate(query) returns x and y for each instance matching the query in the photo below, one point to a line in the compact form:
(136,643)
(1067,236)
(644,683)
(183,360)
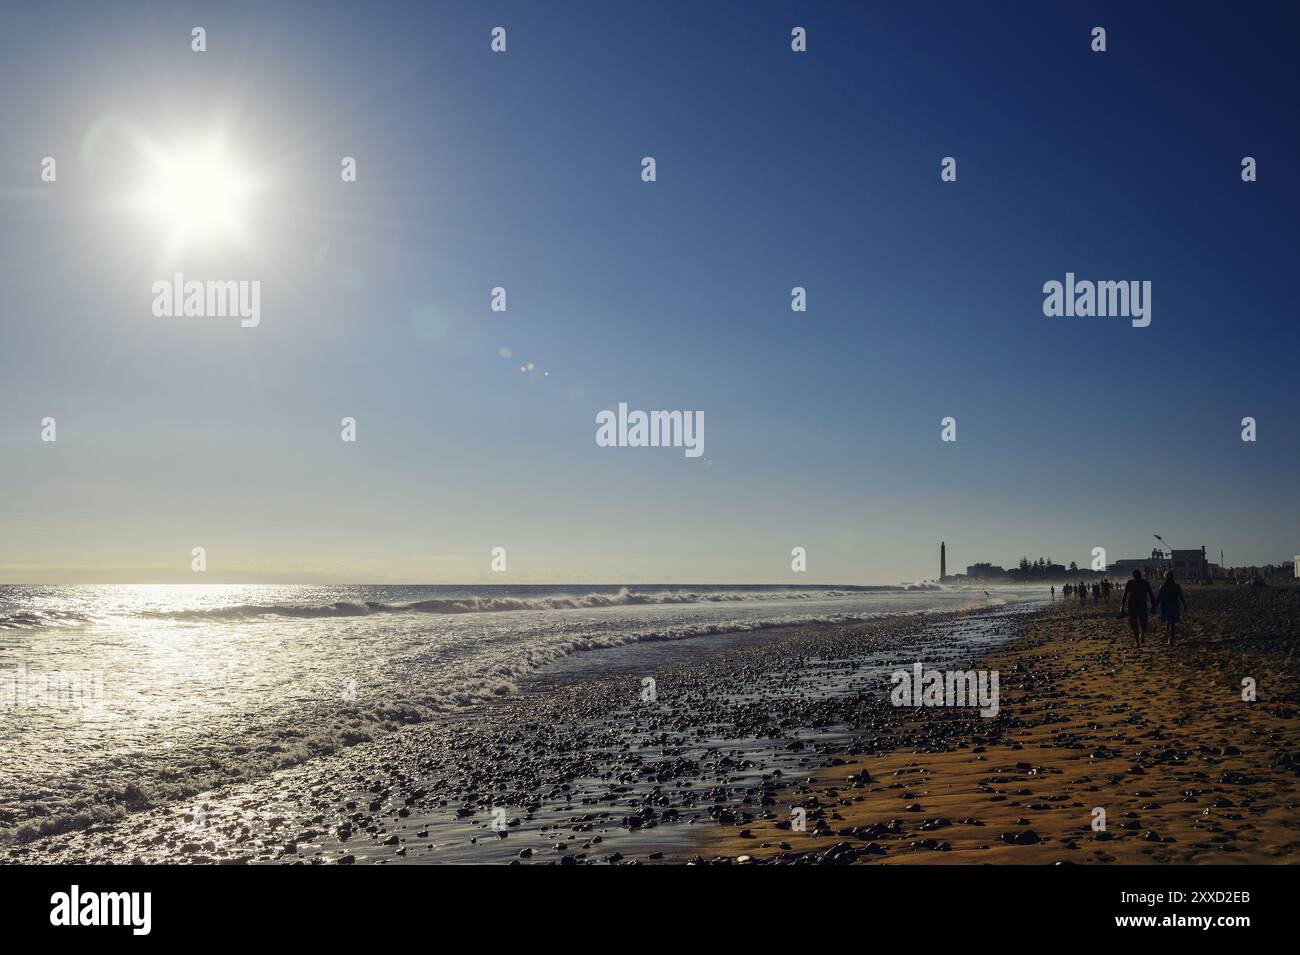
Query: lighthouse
(943,560)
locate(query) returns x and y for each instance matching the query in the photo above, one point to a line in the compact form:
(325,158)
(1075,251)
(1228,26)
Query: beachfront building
(1186,565)
(985,571)
(1152,567)
(1035,571)
(1190,564)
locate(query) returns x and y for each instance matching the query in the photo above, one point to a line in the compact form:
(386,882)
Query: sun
(197,193)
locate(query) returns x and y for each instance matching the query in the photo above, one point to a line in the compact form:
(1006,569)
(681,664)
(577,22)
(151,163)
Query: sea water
(120,696)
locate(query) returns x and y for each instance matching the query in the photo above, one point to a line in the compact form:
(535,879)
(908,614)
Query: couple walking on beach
(1169,602)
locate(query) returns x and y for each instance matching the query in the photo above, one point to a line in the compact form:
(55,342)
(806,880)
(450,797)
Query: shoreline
(585,769)
(254,682)
(1156,745)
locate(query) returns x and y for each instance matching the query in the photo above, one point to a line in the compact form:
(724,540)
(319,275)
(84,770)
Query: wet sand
(1160,739)
(581,767)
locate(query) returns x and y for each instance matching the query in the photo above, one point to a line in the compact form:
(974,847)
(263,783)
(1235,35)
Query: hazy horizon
(794,581)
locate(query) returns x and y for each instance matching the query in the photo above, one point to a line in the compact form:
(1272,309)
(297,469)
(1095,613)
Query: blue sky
(774,170)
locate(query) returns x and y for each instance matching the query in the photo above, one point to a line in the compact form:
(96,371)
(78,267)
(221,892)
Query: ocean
(117,697)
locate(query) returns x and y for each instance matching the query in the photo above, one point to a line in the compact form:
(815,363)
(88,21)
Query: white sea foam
(204,685)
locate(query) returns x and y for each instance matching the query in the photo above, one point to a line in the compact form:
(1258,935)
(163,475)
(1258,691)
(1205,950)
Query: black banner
(332,904)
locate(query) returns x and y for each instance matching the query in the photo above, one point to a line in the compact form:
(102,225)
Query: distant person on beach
(1053,593)
(1137,592)
(1083,593)
(1172,603)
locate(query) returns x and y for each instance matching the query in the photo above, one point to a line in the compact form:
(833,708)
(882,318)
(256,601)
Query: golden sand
(1160,738)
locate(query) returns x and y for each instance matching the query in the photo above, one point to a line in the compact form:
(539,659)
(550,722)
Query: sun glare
(197,194)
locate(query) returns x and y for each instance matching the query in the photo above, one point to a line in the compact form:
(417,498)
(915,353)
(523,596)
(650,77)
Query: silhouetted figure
(1172,603)
(1137,593)
(1053,593)
(1083,593)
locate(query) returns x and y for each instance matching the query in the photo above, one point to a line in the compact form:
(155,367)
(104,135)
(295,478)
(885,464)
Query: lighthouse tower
(943,560)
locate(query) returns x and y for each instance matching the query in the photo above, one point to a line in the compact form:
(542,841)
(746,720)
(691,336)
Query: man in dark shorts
(1137,593)
(1170,600)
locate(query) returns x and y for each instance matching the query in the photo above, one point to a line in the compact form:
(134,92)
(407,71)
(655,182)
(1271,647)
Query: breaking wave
(488,604)
(202,696)
(34,619)
(193,764)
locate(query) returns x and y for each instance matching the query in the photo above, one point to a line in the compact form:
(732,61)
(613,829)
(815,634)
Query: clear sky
(523,170)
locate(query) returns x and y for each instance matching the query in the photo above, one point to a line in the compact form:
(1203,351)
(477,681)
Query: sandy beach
(1160,739)
(581,769)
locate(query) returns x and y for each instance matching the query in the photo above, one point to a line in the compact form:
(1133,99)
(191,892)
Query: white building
(1187,565)
(1152,567)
